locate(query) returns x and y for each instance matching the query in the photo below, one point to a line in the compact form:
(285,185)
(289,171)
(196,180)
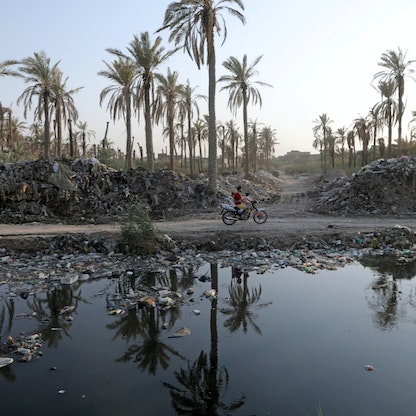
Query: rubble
(384,187)
(87,191)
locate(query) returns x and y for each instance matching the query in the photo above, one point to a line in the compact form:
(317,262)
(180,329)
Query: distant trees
(242,90)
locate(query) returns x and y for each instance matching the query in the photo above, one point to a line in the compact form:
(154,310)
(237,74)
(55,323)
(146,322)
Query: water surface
(279,343)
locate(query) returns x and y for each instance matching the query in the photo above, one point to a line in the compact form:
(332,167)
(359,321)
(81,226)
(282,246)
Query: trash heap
(384,187)
(87,191)
(84,190)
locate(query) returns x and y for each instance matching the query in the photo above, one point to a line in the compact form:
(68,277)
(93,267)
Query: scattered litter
(183,332)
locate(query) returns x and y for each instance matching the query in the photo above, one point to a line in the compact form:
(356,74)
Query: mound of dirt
(87,191)
(384,187)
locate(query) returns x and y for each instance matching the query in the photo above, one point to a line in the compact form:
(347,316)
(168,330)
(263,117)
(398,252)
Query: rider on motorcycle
(239,203)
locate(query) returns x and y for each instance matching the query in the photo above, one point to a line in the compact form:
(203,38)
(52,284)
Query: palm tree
(37,70)
(321,130)
(351,148)
(387,108)
(268,142)
(242,90)
(64,107)
(147,57)
(191,107)
(233,136)
(85,135)
(122,73)
(375,122)
(396,69)
(341,135)
(193,24)
(169,92)
(362,129)
(200,129)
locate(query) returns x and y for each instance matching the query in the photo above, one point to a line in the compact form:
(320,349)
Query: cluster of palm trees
(387,113)
(137,88)
(52,102)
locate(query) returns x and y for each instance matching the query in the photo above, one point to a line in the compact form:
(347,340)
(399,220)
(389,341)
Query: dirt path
(289,222)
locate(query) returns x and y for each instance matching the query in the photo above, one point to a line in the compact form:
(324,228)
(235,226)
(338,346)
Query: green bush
(138,235)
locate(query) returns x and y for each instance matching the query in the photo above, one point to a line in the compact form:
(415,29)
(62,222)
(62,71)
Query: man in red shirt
(238,199)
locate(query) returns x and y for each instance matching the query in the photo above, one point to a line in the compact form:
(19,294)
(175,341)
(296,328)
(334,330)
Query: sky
(319,56)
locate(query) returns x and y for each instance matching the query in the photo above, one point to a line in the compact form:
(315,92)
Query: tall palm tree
(148,57)
(387,108)
(64,107)
(200,129)
(321,130)
(233,136)
(38,71)
(268,142)
(341,135)
(193,25)
(242,90)
(169,92)
(396,69)
(122,73)
(191,108)
(362,129)
(375,123)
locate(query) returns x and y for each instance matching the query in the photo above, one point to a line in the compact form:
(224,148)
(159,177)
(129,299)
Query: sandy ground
(289,222)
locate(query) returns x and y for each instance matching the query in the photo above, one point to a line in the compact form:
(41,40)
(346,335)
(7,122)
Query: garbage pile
(384,187)
(84,190)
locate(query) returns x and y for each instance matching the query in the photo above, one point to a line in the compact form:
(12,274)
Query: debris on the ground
(85,190)
(384,187)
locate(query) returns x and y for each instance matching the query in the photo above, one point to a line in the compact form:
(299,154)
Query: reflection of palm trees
(152,352)
(203,385)
(240,301)
(384,303)
(202,389)
(9,307)
(48,310)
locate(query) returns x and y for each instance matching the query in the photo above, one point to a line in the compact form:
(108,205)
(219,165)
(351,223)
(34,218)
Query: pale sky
(319,55)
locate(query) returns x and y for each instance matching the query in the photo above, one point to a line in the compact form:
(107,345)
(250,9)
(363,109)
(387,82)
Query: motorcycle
(230,214)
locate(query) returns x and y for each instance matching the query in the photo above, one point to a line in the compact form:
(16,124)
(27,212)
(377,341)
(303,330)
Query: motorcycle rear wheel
(229,218)
(260,217)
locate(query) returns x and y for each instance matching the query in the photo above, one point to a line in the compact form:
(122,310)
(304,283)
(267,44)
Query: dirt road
(289,222)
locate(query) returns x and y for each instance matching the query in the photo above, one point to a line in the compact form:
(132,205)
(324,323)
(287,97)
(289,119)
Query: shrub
(138,235)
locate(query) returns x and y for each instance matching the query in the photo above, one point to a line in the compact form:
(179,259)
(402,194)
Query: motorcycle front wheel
(229,218)
(260,217)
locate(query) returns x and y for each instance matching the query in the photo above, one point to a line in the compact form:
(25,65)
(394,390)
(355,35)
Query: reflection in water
(385,297)
(202,385)
(54,323)
(151,351)
(388,266)
(240,301)
(145,324)
(6,317)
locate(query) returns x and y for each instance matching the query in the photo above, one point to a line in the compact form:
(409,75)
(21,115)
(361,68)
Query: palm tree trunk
(212,134)
(245,123)
(190,144)
(148,129)
(46,144)
(128,129)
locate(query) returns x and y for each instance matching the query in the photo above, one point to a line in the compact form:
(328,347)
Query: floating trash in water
(5,361)
(183,332)
(369,367)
